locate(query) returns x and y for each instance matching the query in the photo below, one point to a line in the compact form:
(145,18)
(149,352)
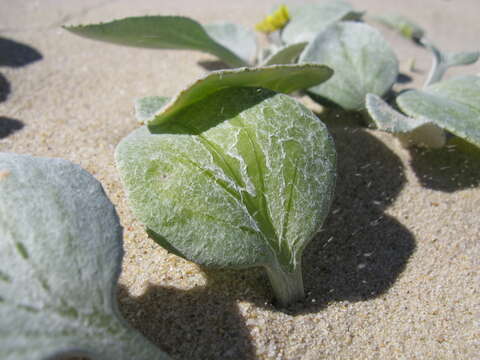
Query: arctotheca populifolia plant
(332,33)
(443,107)
(233,173)
(220,183)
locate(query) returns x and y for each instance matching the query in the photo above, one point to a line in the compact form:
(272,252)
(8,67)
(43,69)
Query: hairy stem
(287,286)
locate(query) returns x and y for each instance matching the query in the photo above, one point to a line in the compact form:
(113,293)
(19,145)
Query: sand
(393,275)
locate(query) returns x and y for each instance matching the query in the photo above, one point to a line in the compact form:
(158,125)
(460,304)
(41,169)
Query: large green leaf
(453,105)
(243,177)
(60,256)
(162,32)
(306,21)
(363,62)
(280,78)
(236,38)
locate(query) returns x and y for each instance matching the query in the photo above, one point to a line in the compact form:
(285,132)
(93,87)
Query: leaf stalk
(287,285)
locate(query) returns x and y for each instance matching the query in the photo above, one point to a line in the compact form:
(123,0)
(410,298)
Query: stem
(275,38)
(287,286)
(438,63)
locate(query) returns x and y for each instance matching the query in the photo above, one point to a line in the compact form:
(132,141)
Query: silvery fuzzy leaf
(442,61)
(280,78)
(60,256)
(160,32)
(287,54)
(236,38)
(306,21)
(388,119)
(451,104)
(410,131)
(363,62)
(243,177)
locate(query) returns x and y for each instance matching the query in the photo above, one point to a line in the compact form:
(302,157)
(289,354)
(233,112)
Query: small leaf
(410,131)
(60,257)
(159,32)
(462,58)
(241,178)
(309,20)
(388,119)
(442,61)
(147,107)
(280,78)
(402,24)
(452,105)
(363,62)
(285,55)
(235,38)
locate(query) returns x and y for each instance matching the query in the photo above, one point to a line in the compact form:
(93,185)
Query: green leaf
(402,25)
(147,107)
(453,105)
(236,38)
(158,32)
(410,131)
(241,178)
(306,21)
(363,62)
(442,61)
(60,257)
(280,78)
(285,55)
(388,119)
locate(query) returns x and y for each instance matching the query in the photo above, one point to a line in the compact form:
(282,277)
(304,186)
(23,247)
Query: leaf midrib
(268,232)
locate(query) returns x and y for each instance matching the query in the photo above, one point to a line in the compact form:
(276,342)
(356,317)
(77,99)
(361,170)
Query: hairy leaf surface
(236,38)
(453,104)
(363,62)
(60,255)
(410,131)
(388,119)
(310,19)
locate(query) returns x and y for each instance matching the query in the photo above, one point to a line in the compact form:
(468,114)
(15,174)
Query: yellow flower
(275,21)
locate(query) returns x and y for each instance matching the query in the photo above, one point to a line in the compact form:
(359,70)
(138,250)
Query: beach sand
(393,275)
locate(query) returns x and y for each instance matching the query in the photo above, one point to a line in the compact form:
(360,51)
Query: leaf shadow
(213,65)
(361,250)
(449,169)
(5,88)
(17,54)
(215,109)
(200,323)
(404,78)
(9,126)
